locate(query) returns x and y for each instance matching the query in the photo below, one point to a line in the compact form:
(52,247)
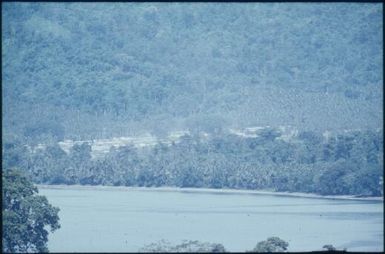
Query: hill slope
(86,70)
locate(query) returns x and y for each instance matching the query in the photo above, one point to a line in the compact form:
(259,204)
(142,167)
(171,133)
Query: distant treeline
(349,163)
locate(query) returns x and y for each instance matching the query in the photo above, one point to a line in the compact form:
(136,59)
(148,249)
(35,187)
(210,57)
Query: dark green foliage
(272,244)
(334,179)
(226,161)
(329,247)
(43,130)
(25,215)
(15,154)
(196,246)
(185,246)
(80,157)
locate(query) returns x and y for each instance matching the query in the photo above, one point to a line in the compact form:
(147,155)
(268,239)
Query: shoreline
(207,190)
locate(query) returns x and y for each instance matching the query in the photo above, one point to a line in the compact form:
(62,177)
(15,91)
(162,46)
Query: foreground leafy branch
(25,215)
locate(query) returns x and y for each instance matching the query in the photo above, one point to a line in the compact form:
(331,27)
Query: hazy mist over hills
(97,70)
(284,100)
(277,96)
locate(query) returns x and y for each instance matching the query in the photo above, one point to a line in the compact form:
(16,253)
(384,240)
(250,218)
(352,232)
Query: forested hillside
(86,71)
(96,70)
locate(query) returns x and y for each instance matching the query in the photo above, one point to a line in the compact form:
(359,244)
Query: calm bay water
(125,219)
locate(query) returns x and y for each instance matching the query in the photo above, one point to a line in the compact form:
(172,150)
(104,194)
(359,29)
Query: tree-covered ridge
(97,69)
(349,163)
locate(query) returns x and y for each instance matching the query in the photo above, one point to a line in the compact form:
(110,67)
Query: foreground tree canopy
(185,246)
(25,215)
(272,244)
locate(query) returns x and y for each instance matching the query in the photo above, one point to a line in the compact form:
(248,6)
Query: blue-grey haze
(86,70)
(307,75)
(278,96)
